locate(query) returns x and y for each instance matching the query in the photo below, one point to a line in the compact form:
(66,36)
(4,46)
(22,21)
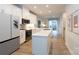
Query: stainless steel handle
(15,23)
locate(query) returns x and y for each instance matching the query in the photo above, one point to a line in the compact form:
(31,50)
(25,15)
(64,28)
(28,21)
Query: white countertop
(42,33)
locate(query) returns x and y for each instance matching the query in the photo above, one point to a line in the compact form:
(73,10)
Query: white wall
(60,26)
(71,39)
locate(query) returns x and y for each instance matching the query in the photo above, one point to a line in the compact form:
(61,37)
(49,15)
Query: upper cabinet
(25,13)
(19,12)
(30,16)
(33,19)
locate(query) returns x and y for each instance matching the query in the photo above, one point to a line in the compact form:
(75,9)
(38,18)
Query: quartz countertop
(42,33)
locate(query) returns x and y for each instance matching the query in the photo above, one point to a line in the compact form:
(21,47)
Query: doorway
(53,24)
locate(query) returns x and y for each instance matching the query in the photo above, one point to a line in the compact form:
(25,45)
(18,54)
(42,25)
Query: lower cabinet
(25,35)
(41,45)
(22,36)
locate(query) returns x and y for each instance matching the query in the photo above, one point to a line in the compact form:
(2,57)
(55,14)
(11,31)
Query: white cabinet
(30,16)
(26,13)
(41,43)
(33,19)
(22,36)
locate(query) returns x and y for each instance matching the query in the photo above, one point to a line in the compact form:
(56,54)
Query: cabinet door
(4,27)
(39,45)
(22,36)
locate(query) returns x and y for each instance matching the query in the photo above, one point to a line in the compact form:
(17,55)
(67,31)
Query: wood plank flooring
(58,47)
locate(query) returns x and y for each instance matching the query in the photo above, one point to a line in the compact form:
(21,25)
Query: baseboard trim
(69,48)
(22,43)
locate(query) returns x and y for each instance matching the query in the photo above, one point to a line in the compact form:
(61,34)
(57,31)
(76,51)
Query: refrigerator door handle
(15,23)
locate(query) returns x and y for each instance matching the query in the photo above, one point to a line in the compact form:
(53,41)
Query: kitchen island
(41,42)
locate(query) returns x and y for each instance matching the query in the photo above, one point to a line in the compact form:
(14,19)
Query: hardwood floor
(58,47)
(25,49)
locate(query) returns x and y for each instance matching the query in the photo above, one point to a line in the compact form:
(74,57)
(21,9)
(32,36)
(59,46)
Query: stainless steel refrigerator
(9,33)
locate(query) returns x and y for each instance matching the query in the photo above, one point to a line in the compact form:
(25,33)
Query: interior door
(4,27)
(15,26)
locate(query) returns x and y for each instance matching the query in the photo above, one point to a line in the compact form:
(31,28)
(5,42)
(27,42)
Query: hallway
(57,47)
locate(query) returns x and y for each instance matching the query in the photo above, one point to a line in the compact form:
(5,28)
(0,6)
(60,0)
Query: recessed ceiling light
(34,7)
(47,5)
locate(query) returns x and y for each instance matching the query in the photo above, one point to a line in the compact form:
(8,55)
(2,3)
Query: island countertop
(42,33)
(41,42)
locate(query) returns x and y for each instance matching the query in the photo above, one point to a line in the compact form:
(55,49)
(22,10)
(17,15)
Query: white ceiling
(42,10)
